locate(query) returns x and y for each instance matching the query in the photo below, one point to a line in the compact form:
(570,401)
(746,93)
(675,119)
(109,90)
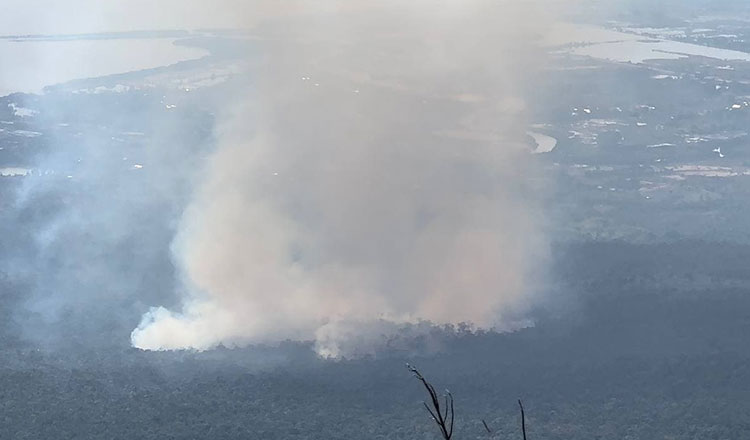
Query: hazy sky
(88,16)
(80,16)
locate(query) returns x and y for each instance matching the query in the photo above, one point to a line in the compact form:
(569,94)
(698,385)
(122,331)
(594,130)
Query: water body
(637,52)
(605,44)
(31,64)
(544,143)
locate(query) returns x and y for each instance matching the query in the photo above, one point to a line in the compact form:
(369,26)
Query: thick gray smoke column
(378,173)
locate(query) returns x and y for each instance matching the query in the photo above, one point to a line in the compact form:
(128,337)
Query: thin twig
(489,431)
(453,415)
(523,420)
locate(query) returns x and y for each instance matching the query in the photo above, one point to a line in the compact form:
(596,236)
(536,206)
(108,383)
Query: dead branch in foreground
(444,416)
(489,431)
(523,420)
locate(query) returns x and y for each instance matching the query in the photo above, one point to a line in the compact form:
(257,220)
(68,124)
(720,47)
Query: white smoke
(376,172)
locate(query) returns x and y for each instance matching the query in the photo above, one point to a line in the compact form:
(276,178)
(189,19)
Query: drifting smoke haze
(375,173)
(366,176)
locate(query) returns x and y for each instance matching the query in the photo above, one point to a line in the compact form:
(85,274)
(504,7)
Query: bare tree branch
(523,420)
(434,417)
(443,417)
(453,415)
(489,431)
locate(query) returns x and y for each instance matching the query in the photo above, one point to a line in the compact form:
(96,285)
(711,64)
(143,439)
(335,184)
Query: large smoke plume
(375,172)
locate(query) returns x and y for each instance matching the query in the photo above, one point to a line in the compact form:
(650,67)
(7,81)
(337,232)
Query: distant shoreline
(42,61)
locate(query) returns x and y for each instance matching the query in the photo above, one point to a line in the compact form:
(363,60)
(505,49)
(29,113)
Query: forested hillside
(646,346)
